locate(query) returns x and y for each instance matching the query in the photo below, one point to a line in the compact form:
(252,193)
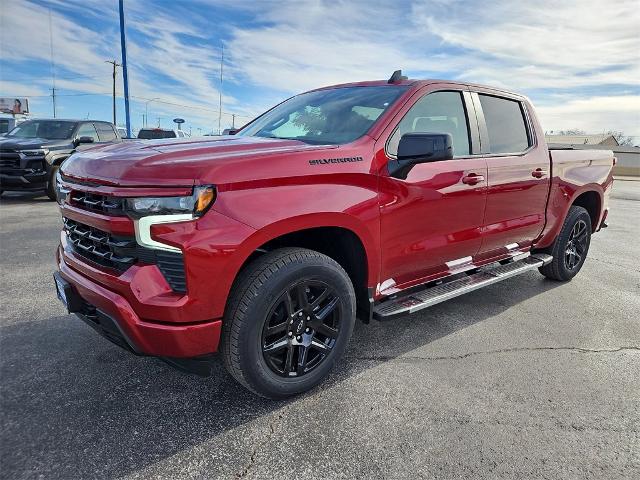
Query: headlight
(38,152)
(61,192)
(196,204)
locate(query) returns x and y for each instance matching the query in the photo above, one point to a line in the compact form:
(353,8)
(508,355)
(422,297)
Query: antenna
(397,77)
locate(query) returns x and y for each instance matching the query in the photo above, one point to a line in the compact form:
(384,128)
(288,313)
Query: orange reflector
(206,196)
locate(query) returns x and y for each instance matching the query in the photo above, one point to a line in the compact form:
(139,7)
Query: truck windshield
(47,129)
(333,116)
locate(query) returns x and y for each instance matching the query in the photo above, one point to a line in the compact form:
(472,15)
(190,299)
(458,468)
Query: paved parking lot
(524,379)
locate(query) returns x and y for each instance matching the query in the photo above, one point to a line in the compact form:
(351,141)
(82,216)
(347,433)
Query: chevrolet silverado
(366,200)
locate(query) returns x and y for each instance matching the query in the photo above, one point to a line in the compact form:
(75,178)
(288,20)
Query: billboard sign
(14,105)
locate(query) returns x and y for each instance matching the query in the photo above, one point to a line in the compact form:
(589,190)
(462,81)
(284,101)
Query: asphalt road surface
(524,379)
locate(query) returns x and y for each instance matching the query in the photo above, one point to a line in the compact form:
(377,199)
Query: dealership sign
(14,105)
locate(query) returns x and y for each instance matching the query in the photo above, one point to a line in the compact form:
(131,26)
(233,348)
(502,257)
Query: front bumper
(22,173)
(23,179)
(112,316)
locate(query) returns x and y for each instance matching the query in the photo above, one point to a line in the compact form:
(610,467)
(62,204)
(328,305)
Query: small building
(601,139)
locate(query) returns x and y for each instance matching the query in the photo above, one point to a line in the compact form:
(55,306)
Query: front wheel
(570,249)
(289,318)
(51,184)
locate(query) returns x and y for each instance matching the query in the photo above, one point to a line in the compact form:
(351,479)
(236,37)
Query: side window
(437,112)
(105,132)
(505,124)
(88,130)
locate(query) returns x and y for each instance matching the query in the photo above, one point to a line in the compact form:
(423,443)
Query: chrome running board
(417,300)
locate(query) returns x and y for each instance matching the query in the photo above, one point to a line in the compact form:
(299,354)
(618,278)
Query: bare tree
(620,137)
(573,131)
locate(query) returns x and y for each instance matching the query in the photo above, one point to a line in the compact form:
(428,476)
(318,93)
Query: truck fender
(300,223)
(562,198)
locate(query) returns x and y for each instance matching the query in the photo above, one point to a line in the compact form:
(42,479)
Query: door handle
(538,173)
(472,179)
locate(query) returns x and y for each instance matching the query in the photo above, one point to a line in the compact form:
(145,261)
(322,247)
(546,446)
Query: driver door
(86,129)
(431,223)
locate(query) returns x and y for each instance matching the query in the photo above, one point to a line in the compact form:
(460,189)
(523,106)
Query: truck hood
(178,162)
(10,143)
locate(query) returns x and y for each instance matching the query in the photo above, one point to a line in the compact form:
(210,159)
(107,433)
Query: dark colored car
(374,199)
(159,133)
(32,152)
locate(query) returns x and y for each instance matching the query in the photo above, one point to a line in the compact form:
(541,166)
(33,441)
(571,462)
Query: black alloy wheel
(301,328)
(288,320)
(576,247)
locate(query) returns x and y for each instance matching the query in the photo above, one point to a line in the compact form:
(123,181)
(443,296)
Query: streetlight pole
(123,45)
(146,110)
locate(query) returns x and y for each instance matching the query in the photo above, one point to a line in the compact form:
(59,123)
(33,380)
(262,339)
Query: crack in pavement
(257,448)
(386,358)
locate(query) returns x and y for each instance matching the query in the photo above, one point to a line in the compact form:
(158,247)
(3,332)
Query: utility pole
(220,93)
(123,45)
(53,98)
(115,65)
(233,120)
(146,110)
(53,67)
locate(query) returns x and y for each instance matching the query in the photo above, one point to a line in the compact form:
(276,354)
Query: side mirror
(229,131)
(419,147)
(84,140)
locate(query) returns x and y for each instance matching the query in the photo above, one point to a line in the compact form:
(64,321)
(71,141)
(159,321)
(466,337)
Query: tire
(288,320)
(51,184)
(570,249)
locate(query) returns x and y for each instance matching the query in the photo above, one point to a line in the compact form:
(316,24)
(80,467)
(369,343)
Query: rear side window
(505,124)
(105,132)
(437,112)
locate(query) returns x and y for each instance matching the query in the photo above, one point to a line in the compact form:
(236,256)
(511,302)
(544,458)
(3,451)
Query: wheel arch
(341,242)
(591,201)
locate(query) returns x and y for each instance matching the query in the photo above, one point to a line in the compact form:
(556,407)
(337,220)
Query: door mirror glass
(418,147)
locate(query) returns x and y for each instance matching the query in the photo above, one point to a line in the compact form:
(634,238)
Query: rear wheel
(289,319)
(570,248)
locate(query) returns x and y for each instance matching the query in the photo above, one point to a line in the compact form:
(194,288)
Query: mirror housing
(420,147)
(84,140)
(230,131)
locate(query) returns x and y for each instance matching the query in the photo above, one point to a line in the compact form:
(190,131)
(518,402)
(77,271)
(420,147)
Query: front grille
(107,250)
(119,253)
(98,203)
(9,159)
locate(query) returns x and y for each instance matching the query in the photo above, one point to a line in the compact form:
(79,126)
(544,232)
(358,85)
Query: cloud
(575,53)
(593,114)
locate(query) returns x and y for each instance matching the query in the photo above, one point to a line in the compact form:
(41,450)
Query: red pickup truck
(366,200)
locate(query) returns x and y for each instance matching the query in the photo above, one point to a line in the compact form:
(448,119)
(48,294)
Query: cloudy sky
(579,61)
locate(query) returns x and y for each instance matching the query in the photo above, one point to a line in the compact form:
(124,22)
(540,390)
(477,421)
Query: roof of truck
(416,83)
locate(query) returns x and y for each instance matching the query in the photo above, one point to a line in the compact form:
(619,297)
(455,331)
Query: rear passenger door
(518,173)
